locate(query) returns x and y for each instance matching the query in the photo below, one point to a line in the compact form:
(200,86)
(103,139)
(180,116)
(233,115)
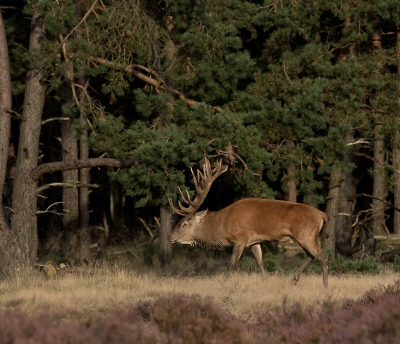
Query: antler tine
(202,183)
(176,211)
(206,168)
(183,196)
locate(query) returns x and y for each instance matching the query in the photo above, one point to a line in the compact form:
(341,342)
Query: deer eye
(185,224)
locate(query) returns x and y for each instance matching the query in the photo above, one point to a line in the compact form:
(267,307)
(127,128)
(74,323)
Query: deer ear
(200,215)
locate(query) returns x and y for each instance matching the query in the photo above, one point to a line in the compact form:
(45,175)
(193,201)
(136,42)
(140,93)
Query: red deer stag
(247,223)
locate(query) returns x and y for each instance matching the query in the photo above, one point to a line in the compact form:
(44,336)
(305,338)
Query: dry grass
(240,294)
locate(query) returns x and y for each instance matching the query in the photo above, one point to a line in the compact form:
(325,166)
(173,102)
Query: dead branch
(357,142)
(54,119)
(227,153)
(50,211)
(376,160)
(284,69)
(146,226)
(158,84)
(51,167)
(66,185)
(80,22)
(383,201)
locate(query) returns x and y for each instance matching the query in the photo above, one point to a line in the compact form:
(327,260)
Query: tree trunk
(396,156)
(344,229)
(165,249)
(166,216)
(396,180)
(84,178)
(23,219)
(328,235)
(69,153)
(379,187)
(9,247)
(5,118)
(291,194)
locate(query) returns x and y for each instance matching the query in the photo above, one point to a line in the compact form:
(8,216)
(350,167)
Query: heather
(188,319)
(122,307)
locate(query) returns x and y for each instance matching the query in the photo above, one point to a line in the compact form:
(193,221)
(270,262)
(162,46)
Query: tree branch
(383,201)
(80,22)
(51,167)
(157,84)
(385,165)
(67,185)
(54,119)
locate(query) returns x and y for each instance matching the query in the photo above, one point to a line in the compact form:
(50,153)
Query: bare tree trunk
(9,246)
(84,173)
(396,179)
(344,229)
(396,156)
(84,178)
(166,216)
(291,194)
(379,187)
(5,118)
(165,249)
(69,153)
(23,219)
(328,234)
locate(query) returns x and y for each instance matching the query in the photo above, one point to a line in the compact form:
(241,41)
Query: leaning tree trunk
(23,219)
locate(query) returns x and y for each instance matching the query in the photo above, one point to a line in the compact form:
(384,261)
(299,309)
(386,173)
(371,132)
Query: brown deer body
(249,222)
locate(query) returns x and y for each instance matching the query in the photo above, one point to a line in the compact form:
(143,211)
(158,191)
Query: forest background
(106,105)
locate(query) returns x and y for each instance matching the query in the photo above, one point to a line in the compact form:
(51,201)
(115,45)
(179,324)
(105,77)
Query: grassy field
(80,295)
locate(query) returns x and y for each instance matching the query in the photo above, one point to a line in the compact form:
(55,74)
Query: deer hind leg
(297,274)
(237,252)
(257,253)
(314,252)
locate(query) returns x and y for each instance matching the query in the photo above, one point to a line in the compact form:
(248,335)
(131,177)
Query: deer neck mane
(210,235)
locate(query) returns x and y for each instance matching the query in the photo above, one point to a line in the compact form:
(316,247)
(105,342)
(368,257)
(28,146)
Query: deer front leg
(237,252)
(257,253)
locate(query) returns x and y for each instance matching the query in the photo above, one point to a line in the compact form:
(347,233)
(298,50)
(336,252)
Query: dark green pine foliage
(314,90)
(283,82)
(169,136)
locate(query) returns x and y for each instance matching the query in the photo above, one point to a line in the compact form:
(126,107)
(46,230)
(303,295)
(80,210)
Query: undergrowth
(177,318)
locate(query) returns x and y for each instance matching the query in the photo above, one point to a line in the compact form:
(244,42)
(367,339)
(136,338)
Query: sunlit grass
(240,293)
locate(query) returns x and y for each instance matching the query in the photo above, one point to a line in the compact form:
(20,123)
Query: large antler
(202,183)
